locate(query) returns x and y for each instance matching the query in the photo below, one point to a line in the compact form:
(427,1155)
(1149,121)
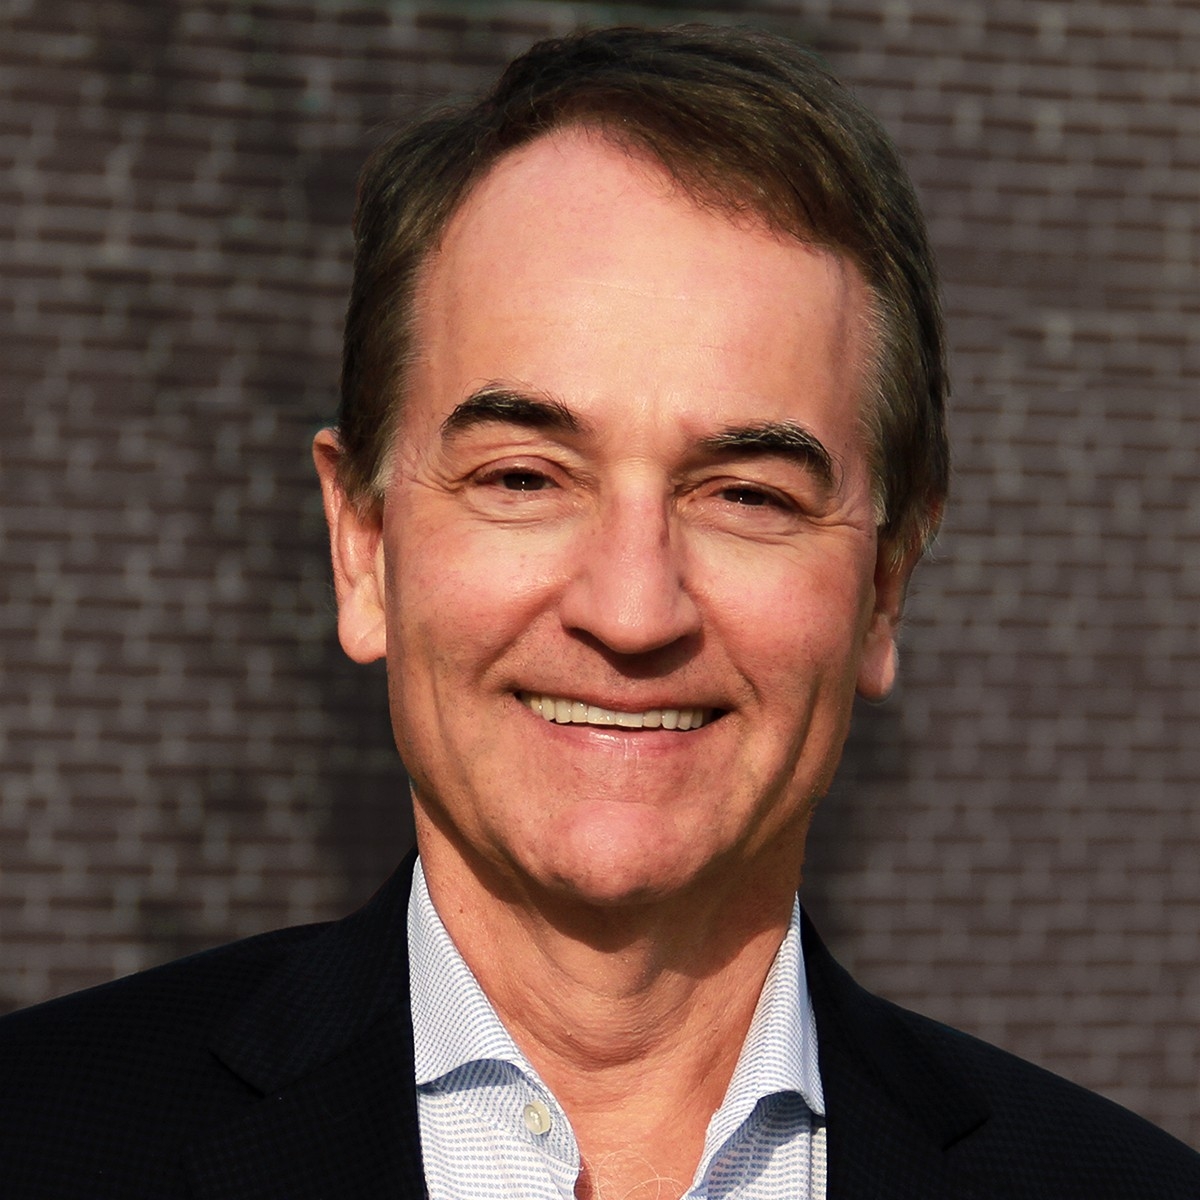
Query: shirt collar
(780,1050)
(447,1036)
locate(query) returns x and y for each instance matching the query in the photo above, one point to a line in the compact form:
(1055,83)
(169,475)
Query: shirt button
(537,1117)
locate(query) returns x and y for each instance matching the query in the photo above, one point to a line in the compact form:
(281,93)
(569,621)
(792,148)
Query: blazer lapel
(900,1118)
(327,1045)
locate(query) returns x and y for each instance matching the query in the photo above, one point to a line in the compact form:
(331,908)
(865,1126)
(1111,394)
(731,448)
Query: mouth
(565,711)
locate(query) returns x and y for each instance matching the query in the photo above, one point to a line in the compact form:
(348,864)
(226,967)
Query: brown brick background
(1014,845)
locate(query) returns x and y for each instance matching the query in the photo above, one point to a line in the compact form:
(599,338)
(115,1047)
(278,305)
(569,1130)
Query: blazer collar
(327,1044)
(899,1112)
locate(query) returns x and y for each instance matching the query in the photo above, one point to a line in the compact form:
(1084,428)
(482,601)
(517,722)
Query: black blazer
(281,1068)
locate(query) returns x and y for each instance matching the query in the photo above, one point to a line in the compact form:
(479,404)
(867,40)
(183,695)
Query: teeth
(576,712)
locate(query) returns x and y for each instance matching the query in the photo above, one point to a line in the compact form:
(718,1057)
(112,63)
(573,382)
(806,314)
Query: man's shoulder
(1051,1136)
(124,1072)
(181,1000)
(201,1071)
(990,1122)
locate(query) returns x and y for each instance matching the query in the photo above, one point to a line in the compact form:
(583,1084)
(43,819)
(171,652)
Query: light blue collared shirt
(492,1130)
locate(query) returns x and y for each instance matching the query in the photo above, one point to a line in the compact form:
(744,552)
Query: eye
(750,507)
(523,481)
(748,496)
(517,478)
(520,487)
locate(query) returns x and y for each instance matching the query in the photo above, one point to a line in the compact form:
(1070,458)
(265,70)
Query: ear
(356,546)
(880,658)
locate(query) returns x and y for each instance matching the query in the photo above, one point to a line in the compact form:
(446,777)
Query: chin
(620,888)
(621,863)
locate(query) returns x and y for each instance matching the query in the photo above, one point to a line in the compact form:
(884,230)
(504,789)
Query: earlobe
(879,664)
(356,549)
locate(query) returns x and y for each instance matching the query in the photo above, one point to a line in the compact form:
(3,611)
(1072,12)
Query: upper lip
(626,704)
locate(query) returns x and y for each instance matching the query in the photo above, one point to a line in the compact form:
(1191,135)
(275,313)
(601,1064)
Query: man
(641,438)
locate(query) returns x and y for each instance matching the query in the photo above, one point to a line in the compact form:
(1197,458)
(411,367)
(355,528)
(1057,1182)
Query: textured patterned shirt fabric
(492,1130)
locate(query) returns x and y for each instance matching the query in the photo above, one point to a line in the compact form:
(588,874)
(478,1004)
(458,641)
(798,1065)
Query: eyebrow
(786,439)
(503,405)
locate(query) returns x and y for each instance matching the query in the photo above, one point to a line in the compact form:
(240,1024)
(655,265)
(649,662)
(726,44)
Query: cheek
(799,617)
(460,596)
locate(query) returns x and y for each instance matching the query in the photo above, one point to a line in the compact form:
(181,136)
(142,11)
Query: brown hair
(743,120)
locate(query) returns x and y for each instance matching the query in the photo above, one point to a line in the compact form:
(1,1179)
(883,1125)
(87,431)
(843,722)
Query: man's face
(630,492)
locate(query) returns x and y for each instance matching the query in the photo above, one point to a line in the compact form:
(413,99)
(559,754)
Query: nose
(628,588)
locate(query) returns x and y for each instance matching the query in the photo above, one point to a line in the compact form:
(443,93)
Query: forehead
(580,267)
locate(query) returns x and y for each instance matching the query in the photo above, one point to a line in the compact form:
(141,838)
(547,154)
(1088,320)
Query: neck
(621,1010)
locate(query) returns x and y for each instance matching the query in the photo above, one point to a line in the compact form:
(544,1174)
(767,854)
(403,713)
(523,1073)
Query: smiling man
(641,437)
(626,574)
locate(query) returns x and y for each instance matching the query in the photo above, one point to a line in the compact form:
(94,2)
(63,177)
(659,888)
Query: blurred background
(185,757)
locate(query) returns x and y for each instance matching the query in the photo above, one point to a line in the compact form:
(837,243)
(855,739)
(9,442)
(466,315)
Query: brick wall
(1014,842)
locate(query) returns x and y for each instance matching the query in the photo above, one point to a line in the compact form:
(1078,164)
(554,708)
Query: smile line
(564,711)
